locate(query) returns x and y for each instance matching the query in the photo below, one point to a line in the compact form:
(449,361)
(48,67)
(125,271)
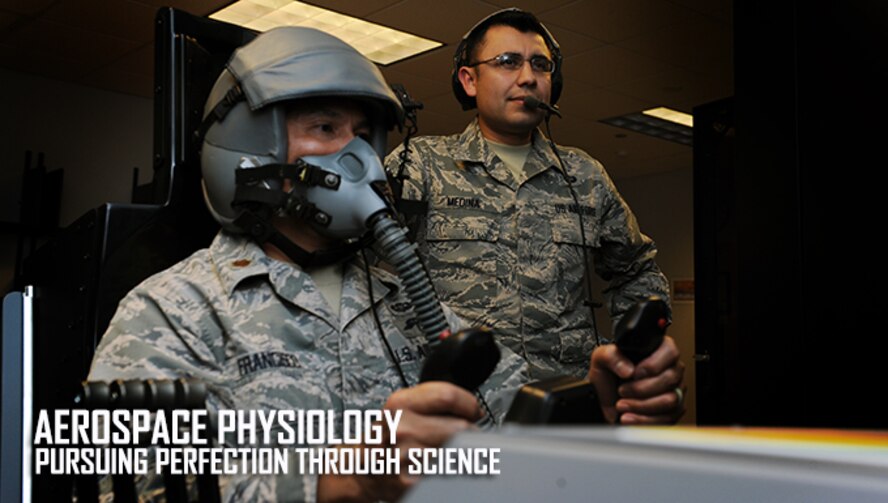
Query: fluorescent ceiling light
(378,43)
(668,114)
(655,123)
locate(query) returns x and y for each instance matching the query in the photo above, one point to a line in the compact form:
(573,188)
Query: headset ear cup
(557,78)
(460,60)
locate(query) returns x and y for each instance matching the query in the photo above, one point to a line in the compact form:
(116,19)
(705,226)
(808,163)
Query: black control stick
(466,358)
(640,332)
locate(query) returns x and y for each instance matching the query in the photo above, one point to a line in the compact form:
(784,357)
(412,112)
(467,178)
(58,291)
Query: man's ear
(467,78)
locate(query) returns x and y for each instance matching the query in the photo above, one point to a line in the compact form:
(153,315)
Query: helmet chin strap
(263,231)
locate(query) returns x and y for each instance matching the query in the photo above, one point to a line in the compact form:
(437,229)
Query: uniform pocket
(462,258)
(464,240)
(569,242)
(566,230)
(462,225)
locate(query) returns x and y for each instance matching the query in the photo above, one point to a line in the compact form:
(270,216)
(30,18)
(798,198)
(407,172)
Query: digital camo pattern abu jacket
(506,252)
(262,336)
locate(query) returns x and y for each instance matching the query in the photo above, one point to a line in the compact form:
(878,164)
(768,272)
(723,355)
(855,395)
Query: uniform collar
(472,148)
(355,295)
(238,258)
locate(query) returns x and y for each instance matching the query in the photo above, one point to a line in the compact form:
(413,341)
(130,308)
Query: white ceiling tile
(419,88)
(701,44)
(593,103)
(535,6)
(615,20)
(681,89)
(609,66)
(434,65)
(358,8)
(442,21)
(446,105)
(571,42)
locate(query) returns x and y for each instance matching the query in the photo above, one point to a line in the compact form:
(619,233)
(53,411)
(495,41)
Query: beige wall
(96,136)
(664,206)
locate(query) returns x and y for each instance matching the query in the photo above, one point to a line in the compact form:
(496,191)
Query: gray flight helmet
(277,67)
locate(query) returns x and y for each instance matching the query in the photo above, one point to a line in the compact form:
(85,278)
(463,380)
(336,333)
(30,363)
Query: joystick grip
(466,358)
(640,332)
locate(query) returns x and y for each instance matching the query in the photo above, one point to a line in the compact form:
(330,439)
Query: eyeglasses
(513,61)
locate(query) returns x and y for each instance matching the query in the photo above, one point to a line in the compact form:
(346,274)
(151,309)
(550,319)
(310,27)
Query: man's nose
(526,75)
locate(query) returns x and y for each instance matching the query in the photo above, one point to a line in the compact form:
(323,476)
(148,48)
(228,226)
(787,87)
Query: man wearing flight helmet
(514,222)
(279,312)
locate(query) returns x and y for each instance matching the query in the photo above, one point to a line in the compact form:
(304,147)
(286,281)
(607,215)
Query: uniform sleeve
(626,256)
(150,337)
(165,337)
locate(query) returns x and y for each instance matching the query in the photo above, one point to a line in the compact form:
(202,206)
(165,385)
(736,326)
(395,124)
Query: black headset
(461,57)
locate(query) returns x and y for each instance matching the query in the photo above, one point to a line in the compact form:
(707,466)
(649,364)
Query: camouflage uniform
(261,336)
(506,252)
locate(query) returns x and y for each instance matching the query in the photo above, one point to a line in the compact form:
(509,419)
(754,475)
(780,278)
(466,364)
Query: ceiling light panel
(655,124)
(668,114)
(378,43)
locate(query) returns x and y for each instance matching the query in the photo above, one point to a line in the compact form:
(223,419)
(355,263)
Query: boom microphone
(532,103)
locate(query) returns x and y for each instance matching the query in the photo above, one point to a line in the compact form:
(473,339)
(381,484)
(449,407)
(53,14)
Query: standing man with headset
(513,224)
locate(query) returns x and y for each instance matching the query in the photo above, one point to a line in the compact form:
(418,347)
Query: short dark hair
(523,21)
